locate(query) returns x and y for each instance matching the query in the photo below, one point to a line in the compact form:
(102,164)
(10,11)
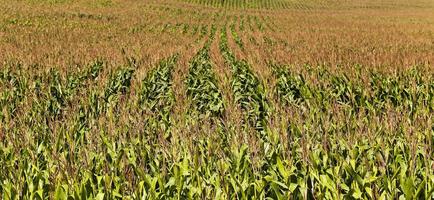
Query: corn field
(220,100)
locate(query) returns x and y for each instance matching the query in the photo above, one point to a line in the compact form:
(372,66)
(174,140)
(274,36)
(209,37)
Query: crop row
(201,83)
(267,4)
(156,97)
(248,91)
(407,91)
(236,37)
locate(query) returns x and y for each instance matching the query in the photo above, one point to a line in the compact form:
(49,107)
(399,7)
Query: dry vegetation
(216,99)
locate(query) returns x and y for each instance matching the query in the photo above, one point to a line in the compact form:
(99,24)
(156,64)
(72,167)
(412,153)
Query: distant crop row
(255,4)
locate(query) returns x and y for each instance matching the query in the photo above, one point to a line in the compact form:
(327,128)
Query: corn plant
(156,95)
(290,88)
(202,86)
(248,91)
(118,83)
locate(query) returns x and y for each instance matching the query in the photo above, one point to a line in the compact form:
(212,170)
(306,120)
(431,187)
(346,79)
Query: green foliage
(249,93)
(156,97)
(237,38)
(290,88)
(406,91)
(202,86)
(118,83)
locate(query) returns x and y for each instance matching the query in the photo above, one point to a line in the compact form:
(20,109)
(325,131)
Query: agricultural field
(216,99)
